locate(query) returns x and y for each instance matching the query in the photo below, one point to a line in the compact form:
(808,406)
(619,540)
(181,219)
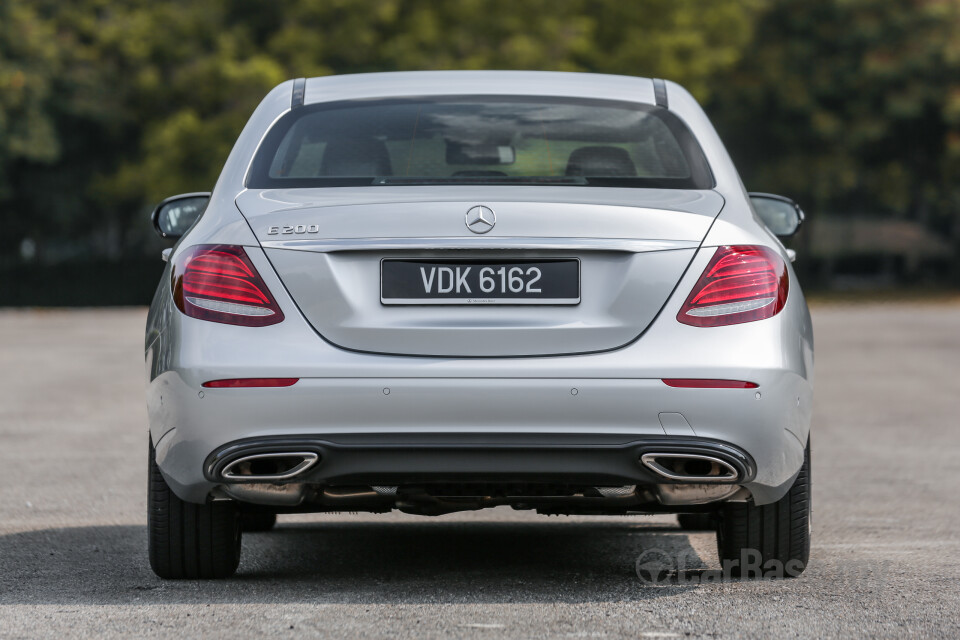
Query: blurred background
(851,107)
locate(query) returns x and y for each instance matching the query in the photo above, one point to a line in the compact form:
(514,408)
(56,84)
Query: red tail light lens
(220,284)
(741,284)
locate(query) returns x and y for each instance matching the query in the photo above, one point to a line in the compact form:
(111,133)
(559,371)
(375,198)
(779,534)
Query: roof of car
(528,83)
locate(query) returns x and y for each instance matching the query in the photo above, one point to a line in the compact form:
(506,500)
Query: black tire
(256,521)
(189,540)
(696,521)
(772,540)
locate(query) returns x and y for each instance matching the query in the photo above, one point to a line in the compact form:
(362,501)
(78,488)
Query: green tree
(851,105)
(29,63)
(110,105)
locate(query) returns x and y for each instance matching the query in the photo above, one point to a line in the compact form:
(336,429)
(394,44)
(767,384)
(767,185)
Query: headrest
(608,162)
(356,157)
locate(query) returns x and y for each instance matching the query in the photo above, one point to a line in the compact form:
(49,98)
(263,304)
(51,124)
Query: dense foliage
(107,106)
(855,105)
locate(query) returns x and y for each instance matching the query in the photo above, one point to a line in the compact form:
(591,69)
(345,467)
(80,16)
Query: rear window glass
(480,140)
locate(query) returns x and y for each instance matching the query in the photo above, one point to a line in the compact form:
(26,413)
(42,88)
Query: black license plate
(554,281)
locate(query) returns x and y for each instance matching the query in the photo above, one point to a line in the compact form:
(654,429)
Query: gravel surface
(886,514)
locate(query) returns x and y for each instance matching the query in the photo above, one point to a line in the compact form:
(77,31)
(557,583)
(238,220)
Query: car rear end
(438,292)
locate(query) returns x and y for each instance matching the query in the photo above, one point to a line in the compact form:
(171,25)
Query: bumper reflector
(704,383)
(250,382)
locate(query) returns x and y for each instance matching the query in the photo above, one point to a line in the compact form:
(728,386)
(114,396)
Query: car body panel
(621,294)
(526,83)
(338,389)
(344,211)
(454,386)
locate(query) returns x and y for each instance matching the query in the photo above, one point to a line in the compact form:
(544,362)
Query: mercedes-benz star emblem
(481,219)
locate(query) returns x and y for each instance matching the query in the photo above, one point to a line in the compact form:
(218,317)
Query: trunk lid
(327,245)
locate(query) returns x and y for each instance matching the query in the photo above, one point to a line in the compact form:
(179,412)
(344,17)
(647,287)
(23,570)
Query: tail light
(741,284)
(220,284)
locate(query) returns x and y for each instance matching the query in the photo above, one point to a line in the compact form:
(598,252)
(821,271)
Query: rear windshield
(480,140)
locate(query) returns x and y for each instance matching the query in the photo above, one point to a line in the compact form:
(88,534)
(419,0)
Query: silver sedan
(441,291)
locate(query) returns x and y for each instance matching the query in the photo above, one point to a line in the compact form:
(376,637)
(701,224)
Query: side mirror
(782,215)
(175,215)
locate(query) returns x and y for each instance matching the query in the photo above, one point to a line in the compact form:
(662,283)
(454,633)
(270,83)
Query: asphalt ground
(73,563)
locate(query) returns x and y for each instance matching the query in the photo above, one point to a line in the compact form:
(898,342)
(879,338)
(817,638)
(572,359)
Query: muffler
(269,467)
(690,467)
(694,493)
(265,493)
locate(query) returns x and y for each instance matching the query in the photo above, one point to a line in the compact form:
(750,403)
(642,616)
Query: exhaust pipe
(269,467)
(690,467)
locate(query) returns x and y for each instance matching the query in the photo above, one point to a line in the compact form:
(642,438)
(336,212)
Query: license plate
(551,281)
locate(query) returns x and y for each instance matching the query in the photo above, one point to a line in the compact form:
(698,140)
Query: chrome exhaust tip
(690,467)
(269,467)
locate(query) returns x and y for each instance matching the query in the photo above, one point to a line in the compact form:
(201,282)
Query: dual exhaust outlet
(272,479)
(270,467)
(690,467)
(676,467)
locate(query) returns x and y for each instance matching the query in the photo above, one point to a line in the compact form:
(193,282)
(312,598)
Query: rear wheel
(772,540)
(255,521)
(189,540)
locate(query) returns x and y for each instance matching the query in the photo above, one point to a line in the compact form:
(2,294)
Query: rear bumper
(397,430)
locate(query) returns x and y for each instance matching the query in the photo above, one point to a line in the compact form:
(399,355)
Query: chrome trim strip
(732,307)
(309,459)
(232,308)
(628,245)
(649,460)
